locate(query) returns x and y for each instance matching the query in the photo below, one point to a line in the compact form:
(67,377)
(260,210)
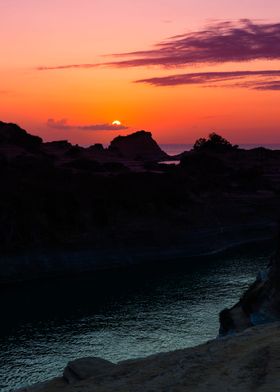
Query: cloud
(262,80)
(63,125)
(67,66)
(273,85)
(220,42)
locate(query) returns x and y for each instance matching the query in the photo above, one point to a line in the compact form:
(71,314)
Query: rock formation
(260,303)
(84,368)
(13,135)
(138,146)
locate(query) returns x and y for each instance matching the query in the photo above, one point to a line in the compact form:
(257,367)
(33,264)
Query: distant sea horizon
(175,149)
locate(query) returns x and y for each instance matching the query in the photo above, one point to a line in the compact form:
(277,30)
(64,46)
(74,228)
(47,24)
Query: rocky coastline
(244,357)
(247,362)
(260,304)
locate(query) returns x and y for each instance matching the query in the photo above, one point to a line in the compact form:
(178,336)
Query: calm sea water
(119,315)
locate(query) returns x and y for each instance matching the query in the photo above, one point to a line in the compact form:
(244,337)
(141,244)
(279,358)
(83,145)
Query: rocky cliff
(260,303)
(248,362)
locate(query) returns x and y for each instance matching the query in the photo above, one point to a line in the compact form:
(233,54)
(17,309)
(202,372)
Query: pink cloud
(63,125)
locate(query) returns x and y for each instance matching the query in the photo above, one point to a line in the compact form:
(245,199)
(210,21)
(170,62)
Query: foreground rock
(247,362)
(84,368)
(260,303)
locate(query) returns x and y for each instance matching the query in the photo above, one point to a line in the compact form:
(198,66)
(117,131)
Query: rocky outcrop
(84,368)
(248,362)
(138,146)
(12,134)
(97,147)
(260,303)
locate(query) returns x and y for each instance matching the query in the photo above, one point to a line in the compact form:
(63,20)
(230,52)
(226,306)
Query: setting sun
(116,122)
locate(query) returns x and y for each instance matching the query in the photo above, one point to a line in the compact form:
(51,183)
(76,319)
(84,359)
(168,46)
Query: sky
(178,68)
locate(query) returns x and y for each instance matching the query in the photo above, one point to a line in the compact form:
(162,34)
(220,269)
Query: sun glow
(116,122)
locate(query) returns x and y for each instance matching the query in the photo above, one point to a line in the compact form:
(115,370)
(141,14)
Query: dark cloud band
(221,42)
(259,80)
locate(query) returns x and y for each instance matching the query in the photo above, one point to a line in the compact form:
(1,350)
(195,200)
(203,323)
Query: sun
(116,122)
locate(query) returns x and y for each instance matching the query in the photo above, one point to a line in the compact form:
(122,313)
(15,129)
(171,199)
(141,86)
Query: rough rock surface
(84,368)
(260,303)
(246,362)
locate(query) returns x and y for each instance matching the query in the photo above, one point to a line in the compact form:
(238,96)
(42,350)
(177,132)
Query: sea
(120,315)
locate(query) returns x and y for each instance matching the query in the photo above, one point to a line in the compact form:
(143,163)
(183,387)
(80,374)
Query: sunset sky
(178,68)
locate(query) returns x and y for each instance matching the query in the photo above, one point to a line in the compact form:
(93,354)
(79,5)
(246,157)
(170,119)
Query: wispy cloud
(63,125)
(66,66)
(221,42)
(273,85)
(262,80)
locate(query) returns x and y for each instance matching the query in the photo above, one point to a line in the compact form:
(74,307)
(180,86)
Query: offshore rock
(138,146)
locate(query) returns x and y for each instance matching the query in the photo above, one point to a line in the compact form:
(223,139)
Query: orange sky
(64,32)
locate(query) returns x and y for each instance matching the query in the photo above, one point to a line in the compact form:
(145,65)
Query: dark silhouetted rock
(260,304)
(74,151)
(98,147)
(84,368)
(114,167)
(138,146)
(85,165)
(58,144)
(204,163)
(12,134)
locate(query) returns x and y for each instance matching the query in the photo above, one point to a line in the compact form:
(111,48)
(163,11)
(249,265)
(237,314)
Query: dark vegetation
(214,143)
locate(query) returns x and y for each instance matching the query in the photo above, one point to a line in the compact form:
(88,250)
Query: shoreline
(231,362)
(203,243)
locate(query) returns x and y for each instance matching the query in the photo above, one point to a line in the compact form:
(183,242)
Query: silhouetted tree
(214,142)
